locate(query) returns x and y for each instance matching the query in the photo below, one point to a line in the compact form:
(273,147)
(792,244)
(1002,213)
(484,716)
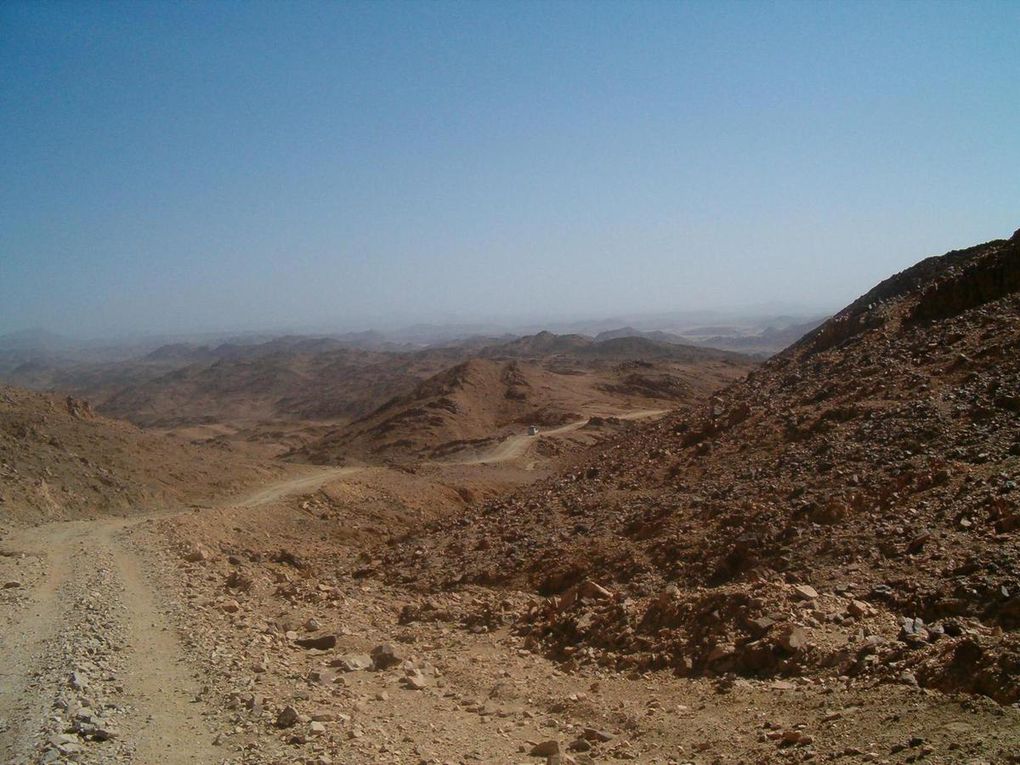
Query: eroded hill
(482,400)
(59,460)
(850,508)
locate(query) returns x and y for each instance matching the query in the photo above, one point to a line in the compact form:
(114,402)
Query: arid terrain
(296,394)
(315,551)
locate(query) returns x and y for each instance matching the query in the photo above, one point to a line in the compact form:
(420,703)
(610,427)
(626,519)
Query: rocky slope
(851,508)
(609,346)
(60,460)
(760,342)
(480,400)
(282,394)
(294,383)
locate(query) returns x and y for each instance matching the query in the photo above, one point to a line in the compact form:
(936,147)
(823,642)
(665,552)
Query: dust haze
(447,383)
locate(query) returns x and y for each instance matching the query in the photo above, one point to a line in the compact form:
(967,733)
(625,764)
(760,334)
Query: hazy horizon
(749,317)
(183,168)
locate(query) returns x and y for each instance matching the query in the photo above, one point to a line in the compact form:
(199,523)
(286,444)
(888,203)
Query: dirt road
(87,653)
(511,448)
(88,656)
(517,446)
(92,669)
(290,486)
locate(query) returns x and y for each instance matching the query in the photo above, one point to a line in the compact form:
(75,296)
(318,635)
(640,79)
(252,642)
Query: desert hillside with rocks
(59,460)
(271,393)
(529,383)
(696,559)
(327,399)
(479,401)
(848,510)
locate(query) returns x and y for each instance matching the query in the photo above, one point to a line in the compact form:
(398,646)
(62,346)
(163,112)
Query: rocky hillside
(467,403)
(851,508)
(627,344)
(59,460)
(542,344)
(482,400)
(295,383)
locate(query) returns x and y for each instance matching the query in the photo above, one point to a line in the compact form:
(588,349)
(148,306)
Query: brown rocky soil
(478,402)
(849,511)
(817,564)
(267,398)
(278,609)
(59,460)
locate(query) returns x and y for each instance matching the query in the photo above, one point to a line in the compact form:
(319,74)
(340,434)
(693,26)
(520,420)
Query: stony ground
(93,672)
(821,567)
(852,508)
(166,640)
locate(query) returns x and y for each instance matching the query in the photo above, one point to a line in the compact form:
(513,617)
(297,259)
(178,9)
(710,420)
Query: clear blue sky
(188,166)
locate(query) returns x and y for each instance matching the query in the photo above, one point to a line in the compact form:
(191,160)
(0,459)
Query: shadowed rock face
(947,285)
(988,277)
(875,461)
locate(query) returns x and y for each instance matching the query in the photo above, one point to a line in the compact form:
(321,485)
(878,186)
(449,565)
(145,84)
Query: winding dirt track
(510,449)
(517,446)
(93,592)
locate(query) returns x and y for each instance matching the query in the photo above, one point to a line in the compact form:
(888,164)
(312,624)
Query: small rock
(322,676)
(859,609)
(195,553)
(792,638)
(593,591)
(253,703)
(415,681)
(918,542)
(353,662)
(908,678)
(287,718)
(238,580)
(385,656)
(805,592)
(322,643)
(760,626)
(545,748)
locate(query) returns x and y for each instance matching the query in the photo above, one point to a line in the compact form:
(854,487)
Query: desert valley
(552,548)
(509,382)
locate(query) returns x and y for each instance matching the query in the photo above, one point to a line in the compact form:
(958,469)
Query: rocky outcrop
(874,463)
